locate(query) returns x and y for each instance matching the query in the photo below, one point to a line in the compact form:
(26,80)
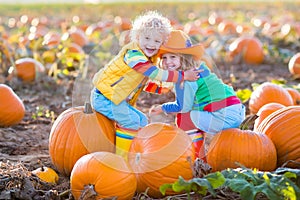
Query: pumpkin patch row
(61,45)
(81,146)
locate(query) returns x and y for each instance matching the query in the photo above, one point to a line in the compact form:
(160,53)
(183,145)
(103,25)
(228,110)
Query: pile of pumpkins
(81,145)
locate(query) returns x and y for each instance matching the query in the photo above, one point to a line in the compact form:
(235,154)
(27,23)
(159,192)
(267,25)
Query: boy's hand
(192,74)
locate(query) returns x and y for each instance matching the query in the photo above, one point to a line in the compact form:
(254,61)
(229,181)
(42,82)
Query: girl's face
(171,61)
(150,43)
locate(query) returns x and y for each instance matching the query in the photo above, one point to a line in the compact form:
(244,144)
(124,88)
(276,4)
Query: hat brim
(196,51)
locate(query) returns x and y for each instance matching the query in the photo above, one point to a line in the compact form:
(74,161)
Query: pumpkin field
(53,145)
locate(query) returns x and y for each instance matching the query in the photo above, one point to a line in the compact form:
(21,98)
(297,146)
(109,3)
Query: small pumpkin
(103,175)
(265,111)
(247,49)
(294,64)
(76,132)
(46,174)
(73,51)
(159,154)
(12,109)
(28,69)
(282,127)
(227,27)
(249,148)
(268,92)
(76,35)
(51,39)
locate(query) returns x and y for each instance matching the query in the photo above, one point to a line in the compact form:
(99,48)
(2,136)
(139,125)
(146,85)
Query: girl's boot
(197,137)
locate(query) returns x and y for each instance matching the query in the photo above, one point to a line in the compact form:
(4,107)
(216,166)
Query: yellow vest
(116,81)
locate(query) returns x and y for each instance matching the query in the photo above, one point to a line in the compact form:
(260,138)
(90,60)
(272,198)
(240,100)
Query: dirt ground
(27,142)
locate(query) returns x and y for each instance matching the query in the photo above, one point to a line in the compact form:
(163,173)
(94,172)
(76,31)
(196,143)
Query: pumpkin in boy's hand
(12,109)
(159,154)
(76,132)
(282,127)
(103,174)
(248,148)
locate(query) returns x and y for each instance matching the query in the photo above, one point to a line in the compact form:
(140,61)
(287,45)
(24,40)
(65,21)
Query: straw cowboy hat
(179,42)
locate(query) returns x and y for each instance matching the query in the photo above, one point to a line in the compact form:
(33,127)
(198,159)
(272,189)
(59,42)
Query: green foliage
(42,112)
(249,183)
(280,184)
(244,94)
(197,185)
(254,86)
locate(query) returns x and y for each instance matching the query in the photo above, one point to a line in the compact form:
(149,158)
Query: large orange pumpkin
(28,69)
(105,174)
(294,64)
(249,148)
(282,127)
(159,154)
(267,93)
(248,49)
(76,132)
(12,109)
(265,111)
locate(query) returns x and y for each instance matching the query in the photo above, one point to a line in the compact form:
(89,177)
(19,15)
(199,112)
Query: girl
(206,105)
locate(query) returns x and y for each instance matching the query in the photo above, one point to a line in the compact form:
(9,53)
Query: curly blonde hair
(149,22)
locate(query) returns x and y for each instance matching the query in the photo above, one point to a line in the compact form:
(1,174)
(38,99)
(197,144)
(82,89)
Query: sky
(109,1)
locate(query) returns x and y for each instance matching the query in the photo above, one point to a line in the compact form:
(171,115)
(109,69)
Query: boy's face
(171,61)
(150,42)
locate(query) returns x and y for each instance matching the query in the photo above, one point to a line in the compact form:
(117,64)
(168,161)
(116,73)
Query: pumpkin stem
(88,193)
(88,108)
(201,168)
(245,125)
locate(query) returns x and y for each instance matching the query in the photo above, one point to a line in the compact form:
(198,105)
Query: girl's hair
(149,22)
(188,62)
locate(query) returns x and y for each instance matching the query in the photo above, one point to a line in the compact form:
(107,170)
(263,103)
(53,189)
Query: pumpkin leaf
(243,187)
(243,94)
(197,185)
(249,183)
(254,86)
(216,179)
(163,188)
(279,81)
(283,170)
